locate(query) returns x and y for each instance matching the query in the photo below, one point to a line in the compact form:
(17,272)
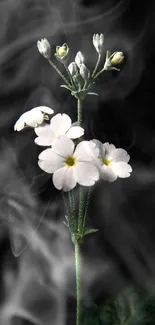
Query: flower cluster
(70,164)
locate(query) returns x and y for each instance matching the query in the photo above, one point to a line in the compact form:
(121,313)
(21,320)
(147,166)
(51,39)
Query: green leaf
(90,230)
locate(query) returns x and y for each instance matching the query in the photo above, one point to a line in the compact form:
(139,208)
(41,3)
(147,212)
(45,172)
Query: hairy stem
(87,206)
(96,66)
(59,72)
(78,284)
(79,111)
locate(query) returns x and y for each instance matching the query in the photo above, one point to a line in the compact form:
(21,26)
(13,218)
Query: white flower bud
(73,69)
(117,58)
(44,48)
(79,59)
(113,60)
(84,72)
(98,41)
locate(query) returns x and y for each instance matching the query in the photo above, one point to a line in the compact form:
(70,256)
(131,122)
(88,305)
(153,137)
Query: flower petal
(75,132)
(107,173)
(63,146)
(64,179)
(33,118)
(122,169)
(86,173)
(108,147)
(60,124)
(43,109)
(43,141)
(19,125)
(44,130)
(119,155)
(82,152)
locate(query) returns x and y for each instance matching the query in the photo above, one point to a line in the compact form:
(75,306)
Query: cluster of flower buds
(80,80)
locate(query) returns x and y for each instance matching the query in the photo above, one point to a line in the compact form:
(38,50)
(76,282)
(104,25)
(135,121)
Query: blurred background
(37,275)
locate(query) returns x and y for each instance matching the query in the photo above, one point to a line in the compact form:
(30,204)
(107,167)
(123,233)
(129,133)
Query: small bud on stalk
(73,69)
(79,59)
(98,41)
(84,72)
(44,48)
(113,60)
(62,52)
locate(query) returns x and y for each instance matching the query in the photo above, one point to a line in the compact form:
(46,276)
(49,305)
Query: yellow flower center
(62,51)
(70,162)
(106,162)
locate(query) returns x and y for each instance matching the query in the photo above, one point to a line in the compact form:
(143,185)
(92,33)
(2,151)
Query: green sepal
(89,230)
(93,94)
(108,54)
(67,87)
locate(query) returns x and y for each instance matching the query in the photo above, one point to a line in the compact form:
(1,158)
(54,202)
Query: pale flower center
(70,162)
(106,162)
(62,51)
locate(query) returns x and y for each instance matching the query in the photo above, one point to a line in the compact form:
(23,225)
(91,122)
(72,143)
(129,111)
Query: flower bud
(117,58)
(113,60)
(98,41)
(73,69)
(62,52)
(79,59)
(44,48)
(84,72)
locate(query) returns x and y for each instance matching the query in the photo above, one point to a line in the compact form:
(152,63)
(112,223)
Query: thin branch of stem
(70,76)
(96,66)
(59,72)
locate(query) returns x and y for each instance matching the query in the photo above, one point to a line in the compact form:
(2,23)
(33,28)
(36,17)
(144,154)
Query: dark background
(37,258)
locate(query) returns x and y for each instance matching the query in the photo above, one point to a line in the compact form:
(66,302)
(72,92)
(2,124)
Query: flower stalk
(78,283)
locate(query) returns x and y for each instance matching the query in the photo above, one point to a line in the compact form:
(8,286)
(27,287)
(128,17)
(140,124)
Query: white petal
(64,179)
(97,148)
(119,155)
(82,152)
(46,166)
(86,173)
(60,124)
(52,158)
(75,132)
(122,169)
(45,135)
(63,146)
(34,117)
(107,173)
(44,130)
(19,125)
(44,109)
(108,147)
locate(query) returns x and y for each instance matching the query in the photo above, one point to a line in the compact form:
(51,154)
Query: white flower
(73,69)
(60,124)
(84,72)
(98,41)
(79,59)
(44,48)
(113,60)
(33,118)
(67,165)
(111,162)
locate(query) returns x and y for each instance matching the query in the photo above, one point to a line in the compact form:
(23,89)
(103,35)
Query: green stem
(99,73)
(79,111)
(78,284)
(87,206)
(59,72)
(80,218)
(96,66)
